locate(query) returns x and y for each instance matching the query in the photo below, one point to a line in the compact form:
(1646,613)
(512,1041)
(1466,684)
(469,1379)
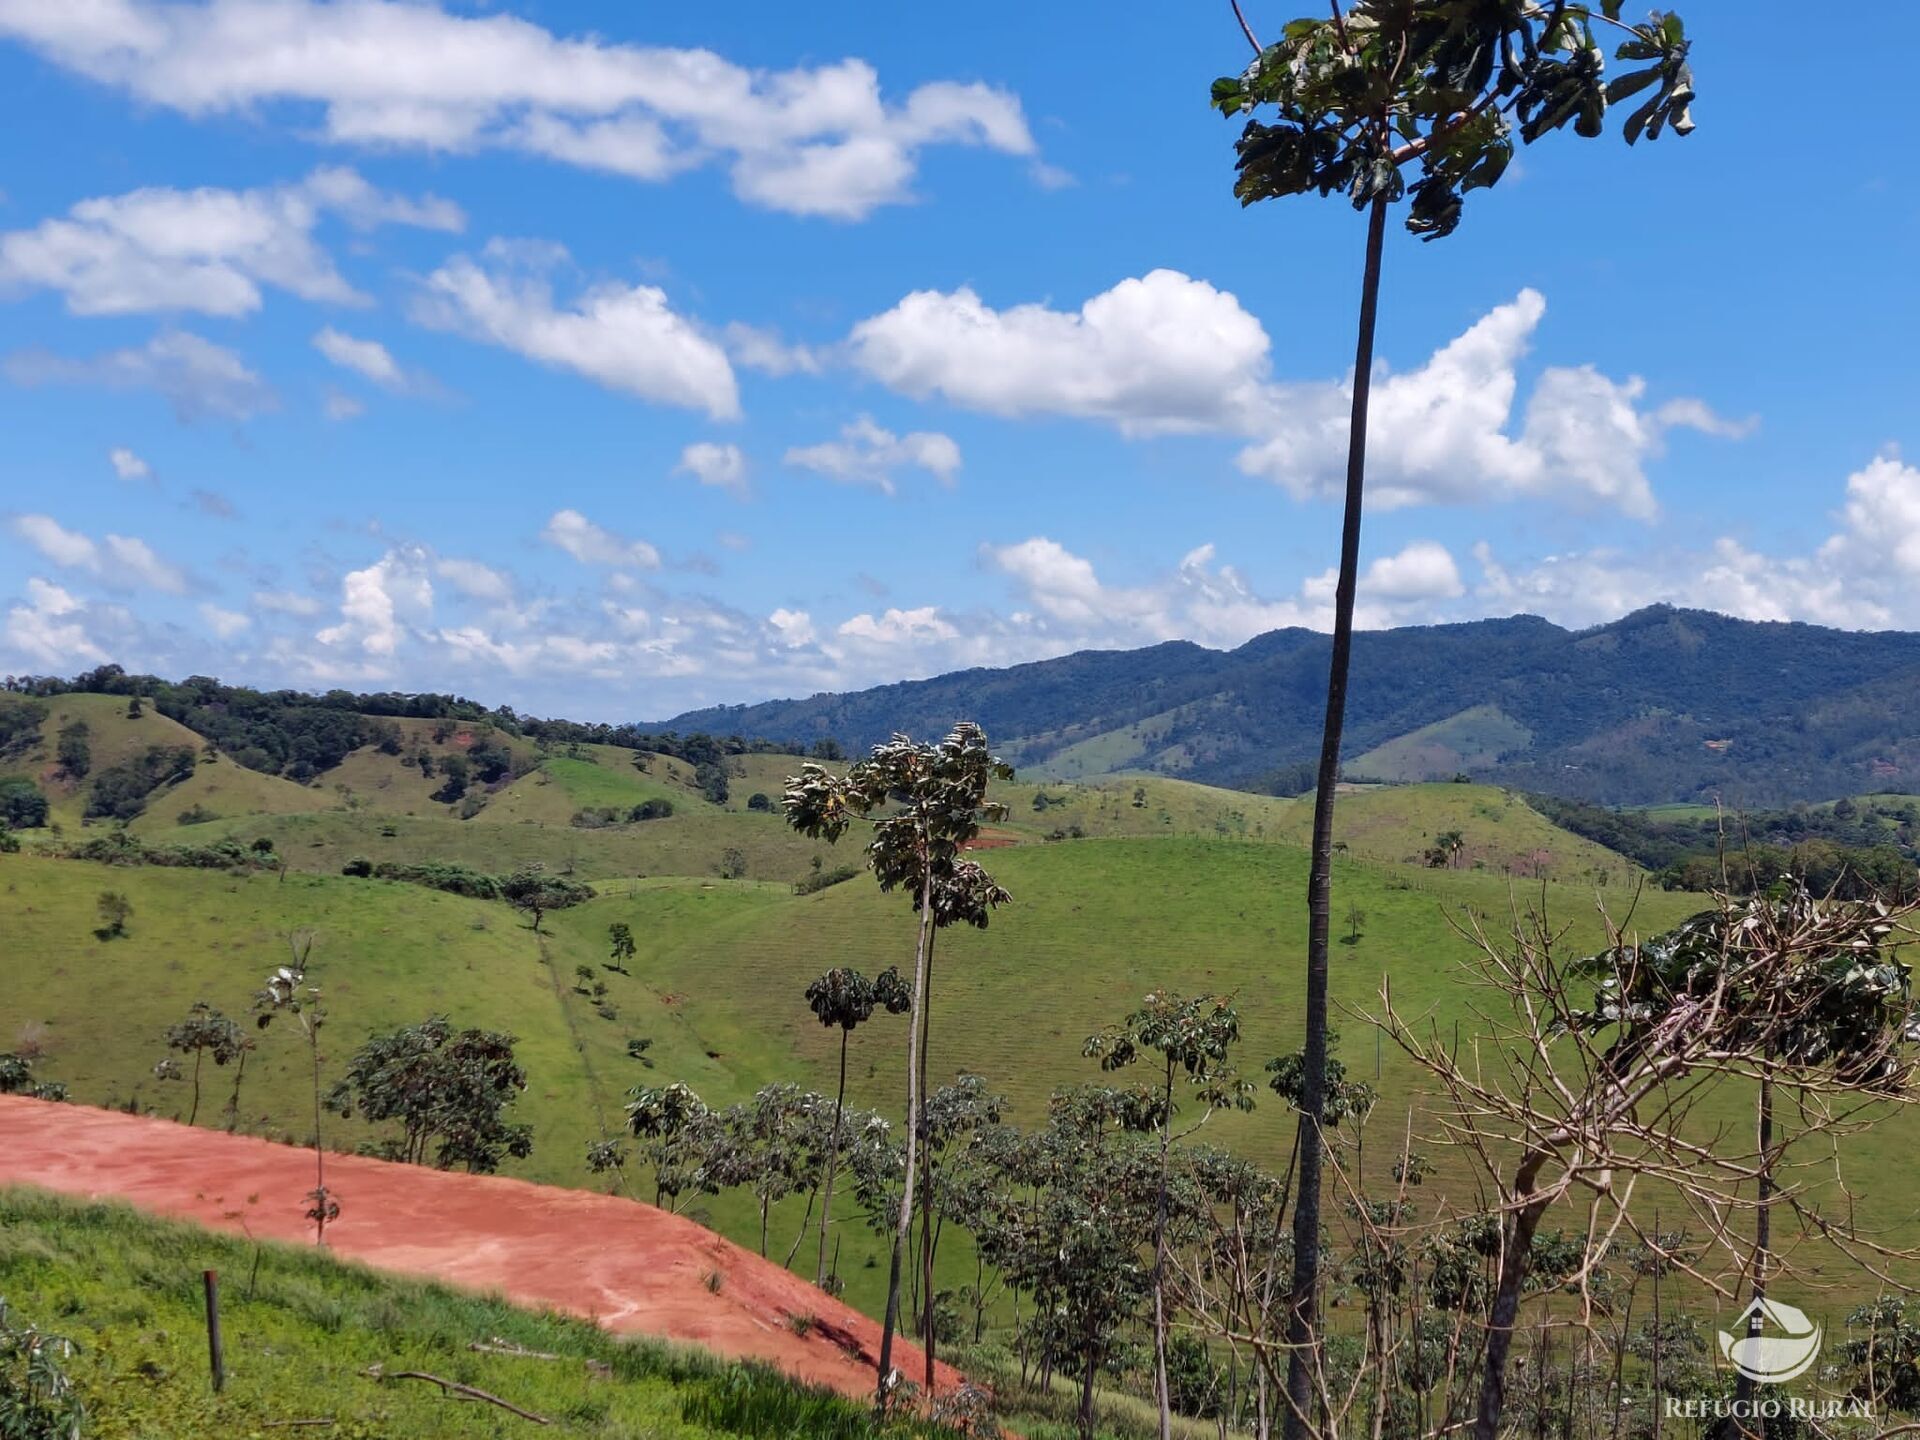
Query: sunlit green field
(1176,885)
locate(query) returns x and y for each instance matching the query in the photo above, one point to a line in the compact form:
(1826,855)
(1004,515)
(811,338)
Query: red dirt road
(630,1267)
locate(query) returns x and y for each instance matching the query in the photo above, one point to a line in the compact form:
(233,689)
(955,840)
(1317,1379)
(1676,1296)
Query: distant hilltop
(1662,705)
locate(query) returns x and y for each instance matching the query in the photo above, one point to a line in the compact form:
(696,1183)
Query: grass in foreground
(303,1330)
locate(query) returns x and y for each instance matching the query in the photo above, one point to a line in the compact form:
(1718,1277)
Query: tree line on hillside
(301,735)
(1853,848)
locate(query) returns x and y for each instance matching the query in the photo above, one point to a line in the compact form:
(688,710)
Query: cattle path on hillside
(631,1267)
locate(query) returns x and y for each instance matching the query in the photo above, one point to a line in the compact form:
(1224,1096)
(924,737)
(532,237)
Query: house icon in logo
(1775,1342)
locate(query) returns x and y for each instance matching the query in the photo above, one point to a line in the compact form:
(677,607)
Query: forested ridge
(1662,705)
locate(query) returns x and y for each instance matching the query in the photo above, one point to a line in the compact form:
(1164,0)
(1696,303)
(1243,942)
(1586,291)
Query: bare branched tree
(1586,1079)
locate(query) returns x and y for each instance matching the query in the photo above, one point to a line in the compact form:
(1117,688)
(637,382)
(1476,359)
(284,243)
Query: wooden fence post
(216,1350)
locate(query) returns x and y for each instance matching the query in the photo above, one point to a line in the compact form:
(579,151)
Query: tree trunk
(926,1206)
(319,1151)
(1516,1250)
(193,1110)
(1756,1425)
(233,1105)
(1303,1298)
(1085,1413)
(1160,1395)
(903,1225)
(833,1159)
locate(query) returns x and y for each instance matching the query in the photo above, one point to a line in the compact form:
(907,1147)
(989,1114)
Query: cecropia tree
(1417,100)
(845,998)
(923,804)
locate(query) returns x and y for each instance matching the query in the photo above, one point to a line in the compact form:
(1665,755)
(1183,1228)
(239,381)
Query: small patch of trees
(17,1078)
(22,806)
(121,791)
(73,749)
(532,889)
(447,1090)
(204,1034)
(1190,1040)
(454,775)
(115,910)
(20,722)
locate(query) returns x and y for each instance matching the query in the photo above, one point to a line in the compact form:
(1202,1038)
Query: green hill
(1658,706)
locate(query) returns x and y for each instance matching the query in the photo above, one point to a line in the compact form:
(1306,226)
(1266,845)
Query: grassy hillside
(600,777)
(689,842)
(1499,830)
(1474,739)
(717,984)
(722,964)
(384,954)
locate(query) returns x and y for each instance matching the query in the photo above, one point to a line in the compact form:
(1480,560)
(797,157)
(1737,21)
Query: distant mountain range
(1663,705)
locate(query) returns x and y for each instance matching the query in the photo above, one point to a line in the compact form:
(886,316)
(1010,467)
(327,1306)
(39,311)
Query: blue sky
(613,359)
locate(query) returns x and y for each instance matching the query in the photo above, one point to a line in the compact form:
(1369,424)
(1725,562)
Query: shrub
(438,875)
(759,801)
(22,806)
(359,867)
(655,809)
(36,1397)
(74,750)
(821,879)
(120,791)
(20,720)
(195,814)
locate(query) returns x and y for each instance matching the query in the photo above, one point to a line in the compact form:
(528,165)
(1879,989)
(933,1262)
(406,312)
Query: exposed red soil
(630,1267)
(991,839)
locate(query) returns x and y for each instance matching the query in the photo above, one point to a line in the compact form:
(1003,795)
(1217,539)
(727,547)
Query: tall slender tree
(965,894)
(846,998)
(924,803)
(1361,101)
(1191,1038)
(288,992)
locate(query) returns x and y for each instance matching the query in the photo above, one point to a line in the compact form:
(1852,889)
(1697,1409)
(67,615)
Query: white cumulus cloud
(207,250)
(722,466)
(1162,353)
(590,544)
(818,140)
(867,454)
(122,561)
(1167,353)
(127,465)
(627,338)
